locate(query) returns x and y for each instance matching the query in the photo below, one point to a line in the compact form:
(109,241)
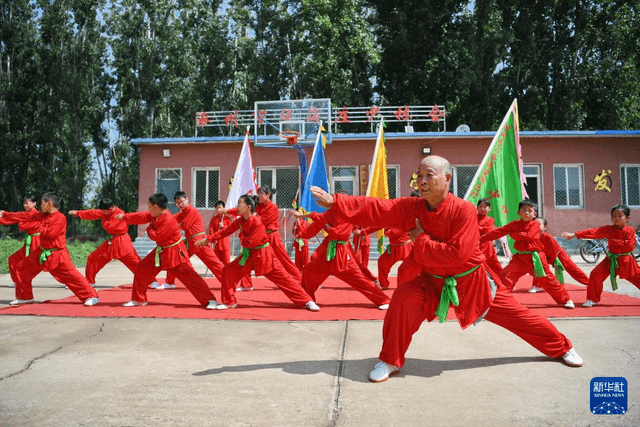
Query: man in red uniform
(31,227)
(336,257)
(52,256)
(191,222)
(527,259)
(487,224)
(118,244)
(446,268)
(170,254)
(557,257)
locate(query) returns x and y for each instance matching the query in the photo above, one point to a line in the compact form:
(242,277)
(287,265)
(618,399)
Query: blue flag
(317,177)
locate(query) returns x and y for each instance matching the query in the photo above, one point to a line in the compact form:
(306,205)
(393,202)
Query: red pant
(59,265)
(407,313)
(276,243)
(522,264)
(233,272)
(317,271)
(628,269)
(208,258)
(301,256)
(147,271)
(571,268)
(386,261)
(492,260)
(102,255)
(223,255)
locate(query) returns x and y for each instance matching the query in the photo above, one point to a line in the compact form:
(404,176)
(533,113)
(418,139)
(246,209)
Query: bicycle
(590,250)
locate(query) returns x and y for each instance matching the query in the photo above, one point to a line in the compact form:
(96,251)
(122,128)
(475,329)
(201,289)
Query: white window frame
(354,179)
(157,177)
(194,182)
(454,180)
(580,167)
(624,192)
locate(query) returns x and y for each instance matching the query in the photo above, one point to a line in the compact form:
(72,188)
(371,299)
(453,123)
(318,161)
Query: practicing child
(398,249)
(335,257)
(170,254)
(527,259)
(257,255)
(51,255)
(558,257)
(300,246)
(27,224)
(118,244)
(619,261)
(487,224)
(191,222)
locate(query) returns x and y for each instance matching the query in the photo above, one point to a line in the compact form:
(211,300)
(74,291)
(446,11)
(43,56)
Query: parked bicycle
(590,250)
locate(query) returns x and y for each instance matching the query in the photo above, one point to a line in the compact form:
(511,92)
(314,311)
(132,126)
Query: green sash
(559,270)
(111,236)
(332,249)
(389,246)
(186,241)
(613,267)
(27,243)
(300,243)
(538,269)
(159,251)
(247,251)
(46,253)
(449,293)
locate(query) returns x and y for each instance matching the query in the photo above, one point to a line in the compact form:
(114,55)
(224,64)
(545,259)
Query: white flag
(244,180)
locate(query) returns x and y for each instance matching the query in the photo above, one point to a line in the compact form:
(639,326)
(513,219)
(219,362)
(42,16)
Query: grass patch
(79,251)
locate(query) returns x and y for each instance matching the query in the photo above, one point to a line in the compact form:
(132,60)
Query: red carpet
(336,300)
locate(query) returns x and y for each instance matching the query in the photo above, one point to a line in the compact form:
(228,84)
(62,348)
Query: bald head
(436,162)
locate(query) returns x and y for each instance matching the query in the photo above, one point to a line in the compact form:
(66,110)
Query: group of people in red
(443,241)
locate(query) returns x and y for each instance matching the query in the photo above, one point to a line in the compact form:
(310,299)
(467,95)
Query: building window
(206,187)
(285,180)
(344,179)
(568,184)
(630,185)
(462,179)
(393,177)
(168,182)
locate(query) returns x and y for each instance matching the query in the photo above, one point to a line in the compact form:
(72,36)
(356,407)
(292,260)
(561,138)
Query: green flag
(499,177)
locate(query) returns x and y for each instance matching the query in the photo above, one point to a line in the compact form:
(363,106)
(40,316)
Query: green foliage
(80,250)
(7,247)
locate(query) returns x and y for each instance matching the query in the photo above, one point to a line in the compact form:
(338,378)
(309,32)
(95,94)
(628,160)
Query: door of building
(533,173)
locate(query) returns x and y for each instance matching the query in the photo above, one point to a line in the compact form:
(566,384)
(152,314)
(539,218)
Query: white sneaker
(382,371)
(12,285)
(225,306)
(383,307)
(166,286)
(133,303)
(572,359)
(569,304)
(312,306)
(213,304)
(22,301)
(154,285)
(92,301)
(535,289)
(589,303)
(240,289)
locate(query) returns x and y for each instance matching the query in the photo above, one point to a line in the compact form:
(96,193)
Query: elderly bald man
(446,268)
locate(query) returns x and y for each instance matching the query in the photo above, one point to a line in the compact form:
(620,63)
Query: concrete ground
(141,372)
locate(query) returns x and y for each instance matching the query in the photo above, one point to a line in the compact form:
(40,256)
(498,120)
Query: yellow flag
(378,182)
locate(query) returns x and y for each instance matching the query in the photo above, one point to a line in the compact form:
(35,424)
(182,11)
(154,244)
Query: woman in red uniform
(257,255)
(620,260)
(27,224)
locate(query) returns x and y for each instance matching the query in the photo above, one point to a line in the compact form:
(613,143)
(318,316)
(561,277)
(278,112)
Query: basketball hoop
(290,135)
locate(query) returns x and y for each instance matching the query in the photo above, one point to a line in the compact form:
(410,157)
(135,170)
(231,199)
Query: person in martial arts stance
(118,244)
(335,256)
(51,255)
(447,267)
(170,254)
(256,255)
(487,224)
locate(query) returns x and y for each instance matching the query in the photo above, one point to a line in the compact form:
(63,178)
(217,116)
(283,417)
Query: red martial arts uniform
(117,246)
(269,214)
(620,242)
(170,255)
(398,249)
(527,239)
(340,263)
(259,258)
(362,245)
(555,254)
(29,222)
(191,222)
(300,246)
(487,224)
(52,256)
(448,247)
(223,246)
